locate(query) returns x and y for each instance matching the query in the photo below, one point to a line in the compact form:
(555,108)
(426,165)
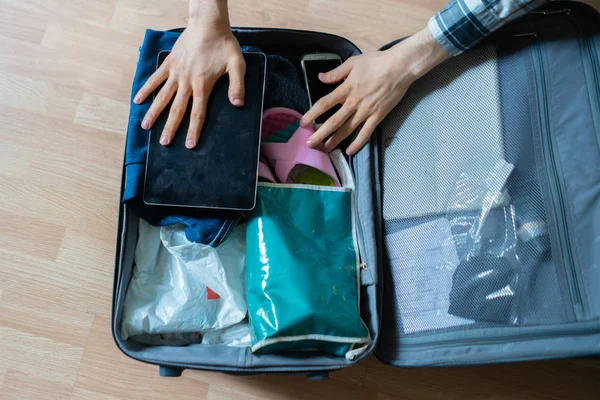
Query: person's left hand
(374,84)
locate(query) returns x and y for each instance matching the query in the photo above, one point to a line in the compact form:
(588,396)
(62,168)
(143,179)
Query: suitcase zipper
(361,244)
(556,183)
(580,329)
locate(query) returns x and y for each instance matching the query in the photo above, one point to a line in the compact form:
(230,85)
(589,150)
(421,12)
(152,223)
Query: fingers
(363,136)
(159,103)
(343,132)
(236,72)
(158,77)
(198,116)
(176,114)
(324,104)
(337,74)
(333,123)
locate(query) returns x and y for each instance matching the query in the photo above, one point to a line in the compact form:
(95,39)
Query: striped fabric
(464,23)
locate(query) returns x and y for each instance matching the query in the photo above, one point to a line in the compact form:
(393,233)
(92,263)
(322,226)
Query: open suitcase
(477,207)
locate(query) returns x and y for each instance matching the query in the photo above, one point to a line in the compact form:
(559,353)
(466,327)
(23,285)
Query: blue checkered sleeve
(464,23)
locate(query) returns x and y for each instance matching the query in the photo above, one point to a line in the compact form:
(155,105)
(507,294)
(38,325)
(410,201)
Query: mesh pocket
(464,221)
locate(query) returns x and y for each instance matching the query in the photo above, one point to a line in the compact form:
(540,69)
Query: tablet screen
(221,171)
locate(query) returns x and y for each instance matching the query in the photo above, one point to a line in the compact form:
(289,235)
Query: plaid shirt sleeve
(464,23)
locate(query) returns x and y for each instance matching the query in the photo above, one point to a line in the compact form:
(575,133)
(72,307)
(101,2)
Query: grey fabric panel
(578,160)
(548,305)
(128,241)
(432,139)
(365,165)
(364,169)
(493,344)
(547,302)
(433,283)
(486,353)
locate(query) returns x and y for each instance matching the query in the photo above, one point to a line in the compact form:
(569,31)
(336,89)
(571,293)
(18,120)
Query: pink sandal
(264,172)
(283,157)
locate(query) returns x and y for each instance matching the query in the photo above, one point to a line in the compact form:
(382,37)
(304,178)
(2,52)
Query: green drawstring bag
(302,269)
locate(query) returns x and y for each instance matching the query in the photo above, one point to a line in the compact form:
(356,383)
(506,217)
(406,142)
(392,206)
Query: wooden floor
(65,75)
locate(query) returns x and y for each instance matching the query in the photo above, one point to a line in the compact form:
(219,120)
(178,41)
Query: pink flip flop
(283,157)
(264,172)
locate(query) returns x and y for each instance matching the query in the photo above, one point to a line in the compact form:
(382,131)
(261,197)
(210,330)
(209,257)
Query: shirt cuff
(464,23)
(441,37)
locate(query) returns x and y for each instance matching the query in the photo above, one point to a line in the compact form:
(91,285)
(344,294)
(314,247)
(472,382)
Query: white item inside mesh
(425,260)
(448,124)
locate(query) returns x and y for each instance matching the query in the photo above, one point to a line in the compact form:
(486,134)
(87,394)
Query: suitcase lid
(451,252)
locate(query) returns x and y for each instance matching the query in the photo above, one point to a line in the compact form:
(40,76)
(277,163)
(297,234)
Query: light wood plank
(21,25)
(20,386)
(45,317)
(84,394)
(106,371)
(38,96)
(102,113)
(39,357)
(66,68)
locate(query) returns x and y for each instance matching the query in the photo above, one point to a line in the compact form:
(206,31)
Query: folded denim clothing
(302,279)
(209,227)
(284,86)
(201,226)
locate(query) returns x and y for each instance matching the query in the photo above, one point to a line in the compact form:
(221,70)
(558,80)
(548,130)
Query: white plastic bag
(236,336)
(179,286)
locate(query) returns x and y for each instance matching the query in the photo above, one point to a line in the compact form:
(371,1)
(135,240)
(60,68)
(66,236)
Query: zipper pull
(552,12)
(532,34)
(364,266)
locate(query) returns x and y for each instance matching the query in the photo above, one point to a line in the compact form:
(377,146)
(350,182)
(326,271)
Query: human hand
(374,84)
(201,55)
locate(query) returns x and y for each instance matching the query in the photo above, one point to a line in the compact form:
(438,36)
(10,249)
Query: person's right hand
(200,56)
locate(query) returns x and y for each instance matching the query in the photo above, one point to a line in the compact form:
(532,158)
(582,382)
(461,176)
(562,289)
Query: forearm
(420,52)
(212,14)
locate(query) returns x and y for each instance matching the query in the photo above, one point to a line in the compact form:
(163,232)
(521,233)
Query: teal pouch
(302,271)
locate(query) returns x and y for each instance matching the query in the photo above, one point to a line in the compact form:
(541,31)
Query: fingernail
(349,152)
(321,75)
(164,140)
(303,123)
(238,102)
(137,99)
(189,143)
(310,143)
(146,124)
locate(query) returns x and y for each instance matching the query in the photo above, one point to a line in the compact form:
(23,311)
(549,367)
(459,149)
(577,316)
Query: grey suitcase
(478,208)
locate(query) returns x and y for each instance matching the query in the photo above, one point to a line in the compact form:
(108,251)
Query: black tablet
(221,171)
